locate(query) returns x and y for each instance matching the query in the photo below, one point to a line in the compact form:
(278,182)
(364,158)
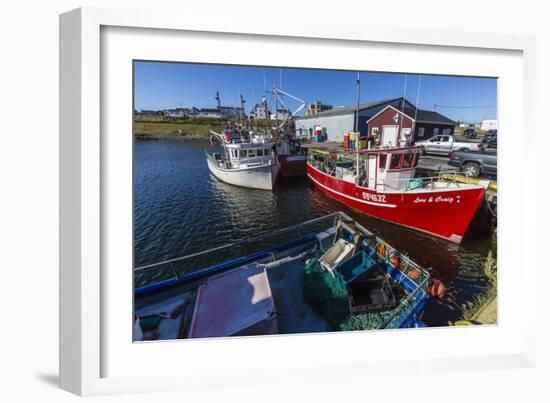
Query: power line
(463,106)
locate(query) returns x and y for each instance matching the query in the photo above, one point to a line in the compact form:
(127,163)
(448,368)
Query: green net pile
(365,321)
(326,294)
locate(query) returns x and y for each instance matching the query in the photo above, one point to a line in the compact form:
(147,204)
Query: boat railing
(409,184)
(404,270)
(240,251)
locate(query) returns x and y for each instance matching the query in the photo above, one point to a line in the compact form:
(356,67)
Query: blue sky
(161,85)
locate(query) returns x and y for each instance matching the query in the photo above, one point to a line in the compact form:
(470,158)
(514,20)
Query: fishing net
(326,293)
(365,321)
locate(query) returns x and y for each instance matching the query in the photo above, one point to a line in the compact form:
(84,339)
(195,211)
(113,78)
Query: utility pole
(242,107)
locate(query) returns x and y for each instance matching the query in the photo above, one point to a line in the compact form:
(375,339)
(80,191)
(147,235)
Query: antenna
(217,98)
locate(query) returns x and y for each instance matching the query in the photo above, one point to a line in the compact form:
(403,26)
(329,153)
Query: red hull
(442,213)
(292,165)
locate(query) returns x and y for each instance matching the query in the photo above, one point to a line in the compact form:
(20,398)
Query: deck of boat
(293,314)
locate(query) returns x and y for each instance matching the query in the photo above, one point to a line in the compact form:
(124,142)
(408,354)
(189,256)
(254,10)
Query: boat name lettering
(431,199)
(374,197)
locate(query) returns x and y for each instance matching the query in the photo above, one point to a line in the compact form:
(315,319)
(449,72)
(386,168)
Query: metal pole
(358,98)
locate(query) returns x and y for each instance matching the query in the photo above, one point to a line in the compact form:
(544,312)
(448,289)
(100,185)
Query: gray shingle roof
(348,109)
(424,116)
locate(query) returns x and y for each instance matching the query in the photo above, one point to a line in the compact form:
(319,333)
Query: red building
(418,123)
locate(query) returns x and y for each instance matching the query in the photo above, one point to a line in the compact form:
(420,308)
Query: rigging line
(464,106)
(380,79)
(417,99)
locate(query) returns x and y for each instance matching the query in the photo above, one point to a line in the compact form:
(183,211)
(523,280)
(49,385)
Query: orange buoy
(436,288)
(414,274)
(381,249)
(396,262)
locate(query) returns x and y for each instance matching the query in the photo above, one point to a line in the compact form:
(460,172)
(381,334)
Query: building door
(389,135)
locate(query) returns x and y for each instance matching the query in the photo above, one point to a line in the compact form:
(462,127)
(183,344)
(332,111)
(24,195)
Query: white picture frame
(90,318)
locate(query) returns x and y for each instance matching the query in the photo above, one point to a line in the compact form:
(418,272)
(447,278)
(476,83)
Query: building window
(395,161)
(446,131)
(382,161)
(375,131)
(436,131)
(420,132)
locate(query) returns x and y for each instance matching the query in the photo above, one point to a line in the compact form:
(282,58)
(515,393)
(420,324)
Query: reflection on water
(180,209)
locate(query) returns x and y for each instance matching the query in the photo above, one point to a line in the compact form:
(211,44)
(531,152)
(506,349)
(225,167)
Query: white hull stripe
(351,197)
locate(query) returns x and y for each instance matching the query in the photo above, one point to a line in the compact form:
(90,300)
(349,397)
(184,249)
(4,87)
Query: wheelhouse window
(415,161)
(242,153)
(408,160)
(260,152)
(251,153)
(395,161)
(382,158)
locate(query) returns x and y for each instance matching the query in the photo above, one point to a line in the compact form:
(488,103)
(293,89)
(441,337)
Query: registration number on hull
(374,197)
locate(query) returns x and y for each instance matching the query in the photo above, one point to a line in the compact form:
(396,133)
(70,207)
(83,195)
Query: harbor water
(181,209)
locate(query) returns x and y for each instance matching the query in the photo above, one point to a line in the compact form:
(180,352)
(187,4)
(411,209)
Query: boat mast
(357,122)
(358,98)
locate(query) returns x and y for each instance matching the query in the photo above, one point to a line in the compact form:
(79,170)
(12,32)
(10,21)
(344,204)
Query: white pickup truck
(445,143)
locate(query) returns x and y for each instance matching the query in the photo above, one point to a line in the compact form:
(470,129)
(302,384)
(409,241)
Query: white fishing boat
(252,164)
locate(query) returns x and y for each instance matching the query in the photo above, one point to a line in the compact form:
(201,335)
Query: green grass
(472,309)
(187,128)
(167,127)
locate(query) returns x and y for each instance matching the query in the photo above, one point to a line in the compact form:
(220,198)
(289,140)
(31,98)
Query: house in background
(213,113)
(489,124)
(282,114)
(317,107)
(178,112)
(392,124)
(231,112)
(338,121)
(260,112)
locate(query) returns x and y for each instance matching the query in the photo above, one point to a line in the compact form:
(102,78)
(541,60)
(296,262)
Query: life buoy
(381,250)
(414,274)
(436,288)
(396,261)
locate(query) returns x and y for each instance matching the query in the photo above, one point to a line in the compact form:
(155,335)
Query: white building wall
(335,126)
(489,124)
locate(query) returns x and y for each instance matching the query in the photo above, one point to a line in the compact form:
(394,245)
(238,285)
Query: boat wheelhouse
(381,182)
(247,164)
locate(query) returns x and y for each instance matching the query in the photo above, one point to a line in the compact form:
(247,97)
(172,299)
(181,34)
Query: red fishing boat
(381,182)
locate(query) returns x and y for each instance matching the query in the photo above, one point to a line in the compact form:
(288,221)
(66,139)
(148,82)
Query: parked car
(471,133)
(475,163)
(490,139)
(445,143)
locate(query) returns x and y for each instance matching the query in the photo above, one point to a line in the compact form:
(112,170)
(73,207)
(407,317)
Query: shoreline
(169,136)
